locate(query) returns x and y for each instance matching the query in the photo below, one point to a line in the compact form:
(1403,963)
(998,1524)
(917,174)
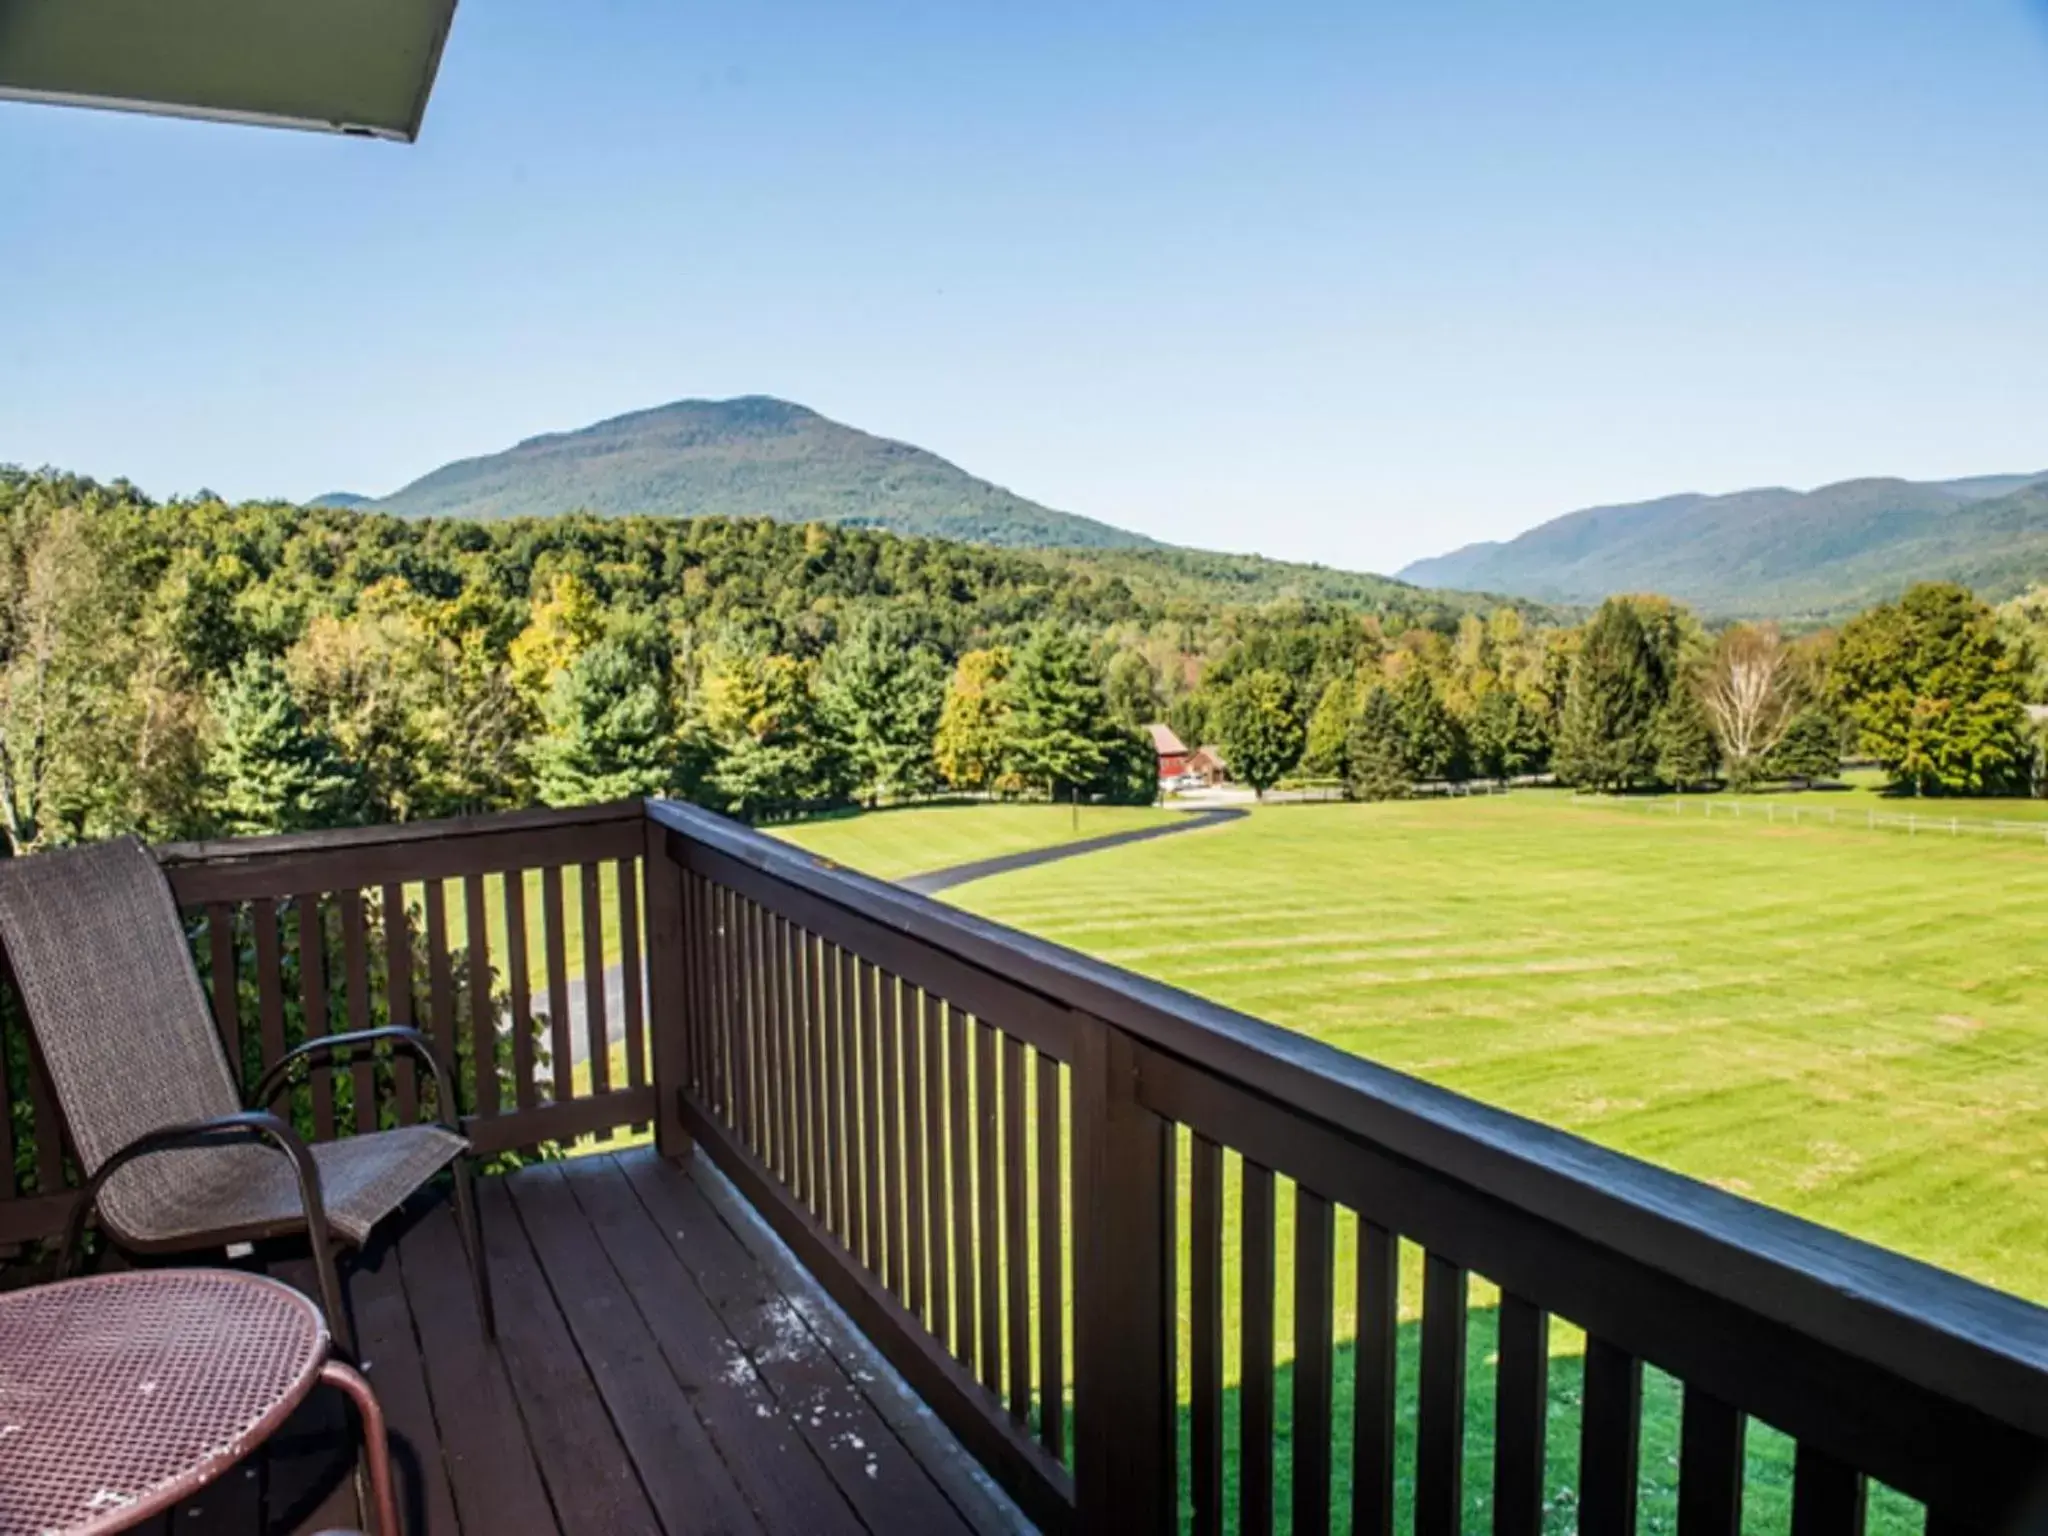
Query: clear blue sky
(1354,282)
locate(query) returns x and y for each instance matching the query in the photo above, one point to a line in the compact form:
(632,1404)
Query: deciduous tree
(1261,734)
(1749,690)
(974,721)
(1934,691)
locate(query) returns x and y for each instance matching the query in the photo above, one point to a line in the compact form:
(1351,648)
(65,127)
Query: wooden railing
(1043,1185)
(462,929)
(1156,1263)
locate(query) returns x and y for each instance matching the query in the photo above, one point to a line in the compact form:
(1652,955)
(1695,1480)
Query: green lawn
(1847,1026)
(915,840)
(1861,794)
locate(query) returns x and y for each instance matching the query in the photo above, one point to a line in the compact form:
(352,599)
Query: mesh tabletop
(121,1394)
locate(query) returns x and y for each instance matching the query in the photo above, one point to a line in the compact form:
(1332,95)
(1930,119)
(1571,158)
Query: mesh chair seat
(236,1193)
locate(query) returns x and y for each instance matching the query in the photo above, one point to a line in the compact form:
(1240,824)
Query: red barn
(1173,754)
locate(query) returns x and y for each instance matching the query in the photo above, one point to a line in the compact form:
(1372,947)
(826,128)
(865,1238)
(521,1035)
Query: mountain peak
(750,456)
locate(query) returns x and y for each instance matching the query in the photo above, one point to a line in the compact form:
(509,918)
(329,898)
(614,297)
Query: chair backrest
(100,955)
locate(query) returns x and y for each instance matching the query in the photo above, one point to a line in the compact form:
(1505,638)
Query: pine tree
(606,732)
(1059,727)
(881,694)
(1686,750)
(1434,746)
(1810,749)
(1260,731)
(1606,739)
(1377,755)
(1507,736)
(269,769)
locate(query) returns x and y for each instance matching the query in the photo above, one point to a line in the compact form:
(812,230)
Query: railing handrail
(1952,1336)
(244,850)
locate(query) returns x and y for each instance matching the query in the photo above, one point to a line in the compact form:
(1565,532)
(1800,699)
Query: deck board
(651,1376)
(866,1458)
(780,1474)
(685,1480)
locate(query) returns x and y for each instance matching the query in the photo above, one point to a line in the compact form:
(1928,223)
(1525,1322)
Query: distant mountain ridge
(1773,551)
(754,456)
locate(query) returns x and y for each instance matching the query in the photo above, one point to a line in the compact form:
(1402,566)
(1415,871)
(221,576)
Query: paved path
(925,885)
(980,869)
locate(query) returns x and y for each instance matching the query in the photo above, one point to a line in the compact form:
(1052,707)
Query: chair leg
(333,1300)
(473,1245)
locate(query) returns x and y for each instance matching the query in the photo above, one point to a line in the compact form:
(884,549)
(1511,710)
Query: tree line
(1933,688)
(192,667)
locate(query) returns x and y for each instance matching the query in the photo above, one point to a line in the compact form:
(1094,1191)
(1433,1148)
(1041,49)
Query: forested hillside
(1774,552)
(192,667)
(750,457)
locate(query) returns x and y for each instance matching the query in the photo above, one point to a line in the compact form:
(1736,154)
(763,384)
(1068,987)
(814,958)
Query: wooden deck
(662,1368)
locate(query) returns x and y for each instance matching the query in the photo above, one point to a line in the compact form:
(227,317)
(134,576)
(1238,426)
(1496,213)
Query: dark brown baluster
(1828,1497)
(440,982)
(269,982)
(1255,1401)
(880,1259)
(398,1000)
(860,1162)
(831,1094)
(936,1125)
(355,969)
(483,1017)
(1052,1247)
(802,1180)
(1440,1415)
(1709,1467)
(597,1028)
(1016,1230)
(1205,1353)
(555,945)
(626,873)
(959,1131)
(512,896)
(988,1231)
(889,1021)
(1609,1440)
(1372,1450)
(909,1025)
(1520,1405)
(761,1031)
(313,1000)
(1314,1306)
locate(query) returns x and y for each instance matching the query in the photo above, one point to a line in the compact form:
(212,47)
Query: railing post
(1123,1388)
(667,996)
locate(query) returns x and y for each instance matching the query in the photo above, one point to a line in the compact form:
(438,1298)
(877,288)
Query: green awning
(345,66)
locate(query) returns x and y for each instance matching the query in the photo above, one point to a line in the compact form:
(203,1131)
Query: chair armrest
(322,1046)
(224,1130)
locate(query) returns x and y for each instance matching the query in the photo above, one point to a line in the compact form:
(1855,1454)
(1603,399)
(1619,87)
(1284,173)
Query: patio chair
(174,1161)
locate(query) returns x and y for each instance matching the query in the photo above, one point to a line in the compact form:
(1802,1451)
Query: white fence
(1912,823)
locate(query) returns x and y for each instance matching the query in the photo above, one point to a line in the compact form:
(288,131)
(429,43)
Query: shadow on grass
(1767,1487)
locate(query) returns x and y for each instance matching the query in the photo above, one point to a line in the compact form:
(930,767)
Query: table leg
(376,1445)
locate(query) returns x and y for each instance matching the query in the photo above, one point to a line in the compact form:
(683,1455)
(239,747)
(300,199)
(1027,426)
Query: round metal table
(122,1394)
